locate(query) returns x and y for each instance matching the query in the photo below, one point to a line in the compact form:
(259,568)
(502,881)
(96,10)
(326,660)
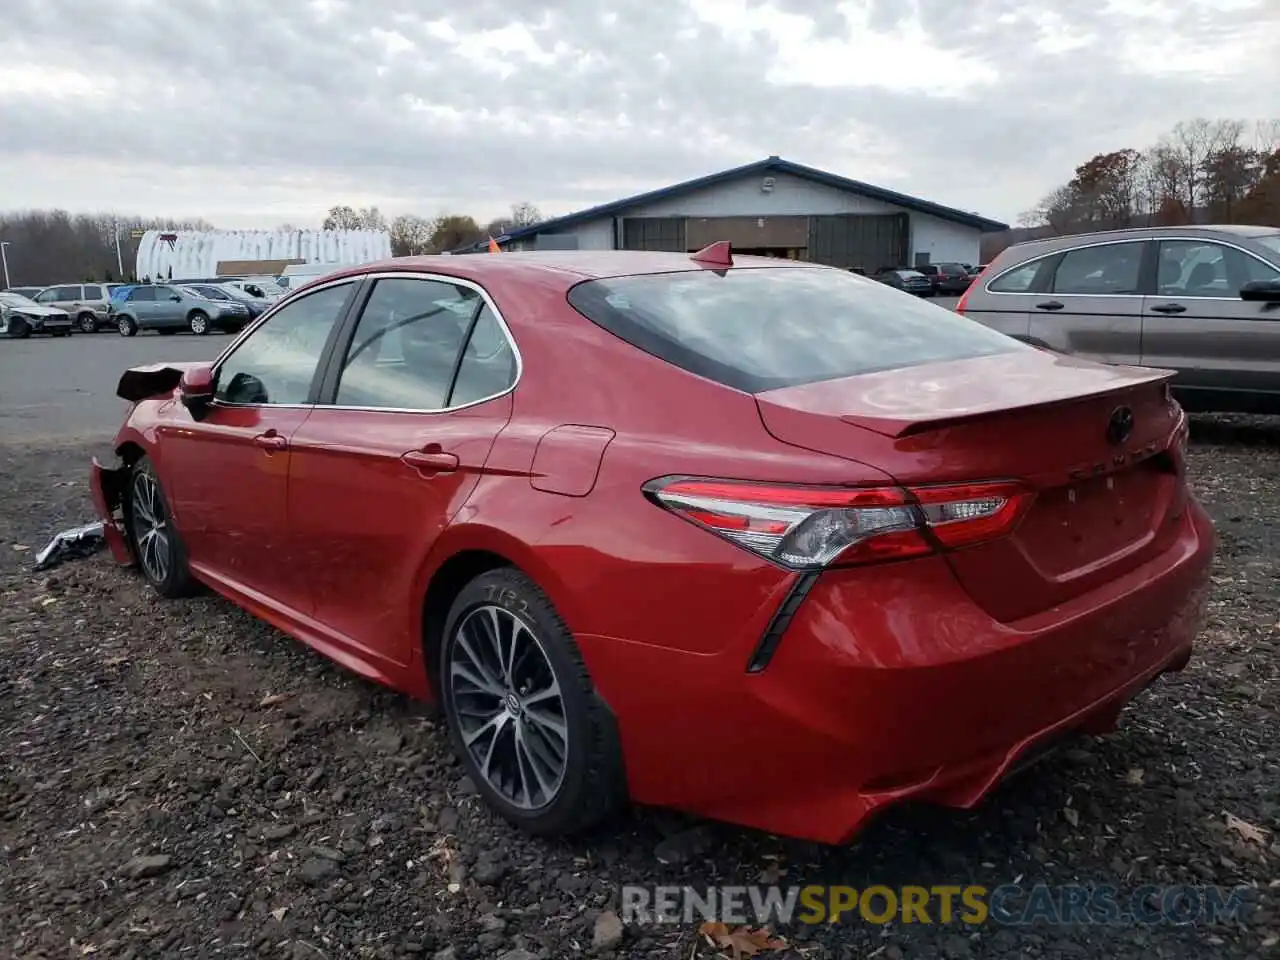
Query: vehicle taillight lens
(809,528)
(964,297)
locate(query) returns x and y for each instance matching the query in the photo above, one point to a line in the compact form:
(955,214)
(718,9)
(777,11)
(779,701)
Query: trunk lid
(1107,497)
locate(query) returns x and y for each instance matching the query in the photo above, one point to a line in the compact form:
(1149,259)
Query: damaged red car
(620,512)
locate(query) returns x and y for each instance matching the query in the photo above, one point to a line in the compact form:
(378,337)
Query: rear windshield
(762,329)
(1271,240)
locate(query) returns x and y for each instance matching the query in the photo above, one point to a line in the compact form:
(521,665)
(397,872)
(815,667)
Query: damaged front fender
(108,484)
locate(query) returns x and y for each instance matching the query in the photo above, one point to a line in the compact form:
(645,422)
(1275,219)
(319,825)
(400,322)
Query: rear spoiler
(152,380)
(905,426)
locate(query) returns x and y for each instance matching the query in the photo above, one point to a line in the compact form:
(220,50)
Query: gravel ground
(178,780)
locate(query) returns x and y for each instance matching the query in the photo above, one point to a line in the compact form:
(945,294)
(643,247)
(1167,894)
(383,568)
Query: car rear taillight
(964,297)
(808,528)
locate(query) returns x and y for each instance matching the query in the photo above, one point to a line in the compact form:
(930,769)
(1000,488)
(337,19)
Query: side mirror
(196,388)
(1265,291)
(175,298)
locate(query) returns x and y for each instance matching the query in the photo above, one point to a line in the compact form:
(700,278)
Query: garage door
(867,242)
(654,233)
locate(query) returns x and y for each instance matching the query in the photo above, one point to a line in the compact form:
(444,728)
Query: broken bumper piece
(71,544)
(107,485)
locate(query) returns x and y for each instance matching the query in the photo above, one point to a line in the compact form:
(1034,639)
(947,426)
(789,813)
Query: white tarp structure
(197,253)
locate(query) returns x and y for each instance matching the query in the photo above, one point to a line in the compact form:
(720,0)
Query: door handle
(1050,305)
(270,441)
(1169,308)
(431,459)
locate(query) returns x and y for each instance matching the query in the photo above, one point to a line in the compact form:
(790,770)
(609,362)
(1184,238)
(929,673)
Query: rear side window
(763,329)
(1017,280)
(93,293)
(1111,269)
(142,295)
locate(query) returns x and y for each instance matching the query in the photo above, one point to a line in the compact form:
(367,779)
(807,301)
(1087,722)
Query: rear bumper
(107,487)
(890,684)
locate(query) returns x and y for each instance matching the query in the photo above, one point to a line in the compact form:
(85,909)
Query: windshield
(212,293)
(762,329)
(16,299)
(1271,241)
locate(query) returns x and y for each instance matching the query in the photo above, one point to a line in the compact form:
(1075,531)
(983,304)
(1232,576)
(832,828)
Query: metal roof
(768,165)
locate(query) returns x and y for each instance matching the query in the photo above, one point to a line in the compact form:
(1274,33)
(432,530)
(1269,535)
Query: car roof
(1206,230)
(572,265)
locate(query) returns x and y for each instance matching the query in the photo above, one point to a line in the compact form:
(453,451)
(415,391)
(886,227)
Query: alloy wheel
(88,324)
(150,527)
(509,708)
(199,323)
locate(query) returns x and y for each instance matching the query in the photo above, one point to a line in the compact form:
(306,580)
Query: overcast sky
(256,112)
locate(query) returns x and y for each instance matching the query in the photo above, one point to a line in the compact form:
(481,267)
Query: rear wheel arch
(445,584)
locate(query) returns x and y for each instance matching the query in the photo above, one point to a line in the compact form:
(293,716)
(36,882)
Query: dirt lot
(283,808)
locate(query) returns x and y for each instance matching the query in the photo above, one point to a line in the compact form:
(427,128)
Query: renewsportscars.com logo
(1007,905)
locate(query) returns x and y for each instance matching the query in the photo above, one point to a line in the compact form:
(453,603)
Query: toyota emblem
(1120,426)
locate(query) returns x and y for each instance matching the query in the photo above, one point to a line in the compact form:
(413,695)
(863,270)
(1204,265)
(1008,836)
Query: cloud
(250,112)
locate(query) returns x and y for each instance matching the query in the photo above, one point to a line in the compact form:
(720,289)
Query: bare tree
(411,235)
(342,217)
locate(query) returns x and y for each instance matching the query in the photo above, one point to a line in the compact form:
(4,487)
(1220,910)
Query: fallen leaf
(1071,815)
(279,912)
(21,547)
(1246,830)
(271,699)
(1134,776)
(744,942)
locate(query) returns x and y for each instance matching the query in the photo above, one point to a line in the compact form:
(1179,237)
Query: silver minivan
(1204,301)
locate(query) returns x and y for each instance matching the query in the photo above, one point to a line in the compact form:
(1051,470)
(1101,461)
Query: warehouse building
(775,208)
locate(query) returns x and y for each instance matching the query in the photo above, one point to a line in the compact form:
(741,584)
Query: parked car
(264,288)
(948,279)
(169,308)
(87,303)
(906,279)
(260,288)
(1203,301)
(621,512)
(21,317)
(232,294)
(27,292)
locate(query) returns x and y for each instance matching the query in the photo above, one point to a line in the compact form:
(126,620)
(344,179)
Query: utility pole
(119,258)
(4,258)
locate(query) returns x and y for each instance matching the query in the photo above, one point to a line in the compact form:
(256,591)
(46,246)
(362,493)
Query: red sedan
(756,539)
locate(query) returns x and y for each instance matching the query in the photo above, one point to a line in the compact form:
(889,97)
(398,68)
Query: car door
(378,473)
(64,298)
(1196,323)
(1006,301)
(169,310)
(1092,306)
(227,472)
(140,304)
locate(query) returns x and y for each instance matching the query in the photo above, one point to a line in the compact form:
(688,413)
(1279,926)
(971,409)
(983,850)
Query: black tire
(126,325)
(175,580)
(593,786)
(19,329)
(88,323)
(198,322)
